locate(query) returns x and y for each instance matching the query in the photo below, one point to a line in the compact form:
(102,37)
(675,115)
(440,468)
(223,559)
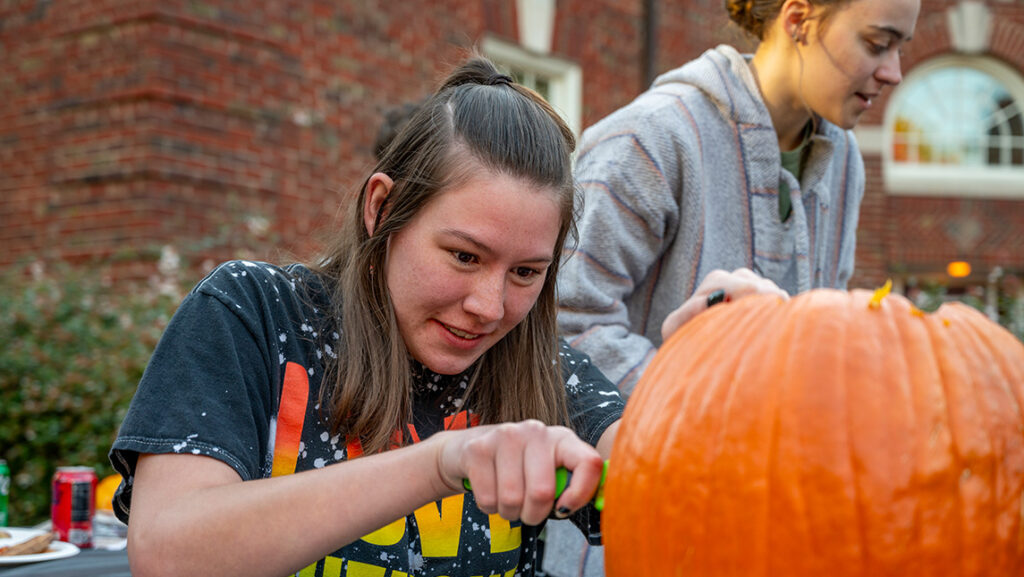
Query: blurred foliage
(74,345)
(1008,308)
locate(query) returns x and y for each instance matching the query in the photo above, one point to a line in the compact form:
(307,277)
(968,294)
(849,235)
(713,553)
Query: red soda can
(74,503)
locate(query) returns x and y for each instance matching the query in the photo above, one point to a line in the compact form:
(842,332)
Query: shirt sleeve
(594,404)
(629,171)
(206,391)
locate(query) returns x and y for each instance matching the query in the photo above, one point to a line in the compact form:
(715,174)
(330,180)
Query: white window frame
(941,180)
(565,78)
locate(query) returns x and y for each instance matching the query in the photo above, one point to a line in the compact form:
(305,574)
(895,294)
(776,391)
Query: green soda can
(5,491)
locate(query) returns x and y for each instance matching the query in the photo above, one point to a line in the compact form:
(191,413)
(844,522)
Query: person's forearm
(607,440)
(278,526)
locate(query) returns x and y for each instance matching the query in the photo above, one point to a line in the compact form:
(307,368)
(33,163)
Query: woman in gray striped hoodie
(732,162)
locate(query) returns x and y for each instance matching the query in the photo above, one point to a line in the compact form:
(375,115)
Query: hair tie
(496,79)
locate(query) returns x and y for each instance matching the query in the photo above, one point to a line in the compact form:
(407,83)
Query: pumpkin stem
(881,293)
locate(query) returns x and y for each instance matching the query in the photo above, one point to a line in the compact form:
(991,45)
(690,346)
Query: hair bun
(746,15)
(477,70)
(495,79)
(740,11)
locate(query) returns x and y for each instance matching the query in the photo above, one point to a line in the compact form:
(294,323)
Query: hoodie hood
(724,76)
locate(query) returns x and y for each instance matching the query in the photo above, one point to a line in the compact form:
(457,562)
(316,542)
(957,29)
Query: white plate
(57,550)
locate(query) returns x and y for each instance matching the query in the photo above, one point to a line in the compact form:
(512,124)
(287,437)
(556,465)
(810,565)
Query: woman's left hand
(733,285)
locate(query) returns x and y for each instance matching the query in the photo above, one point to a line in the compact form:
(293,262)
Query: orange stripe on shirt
(461,420)
(291,415)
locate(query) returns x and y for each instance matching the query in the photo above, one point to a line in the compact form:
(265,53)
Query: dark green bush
(1007,309)
(72,350)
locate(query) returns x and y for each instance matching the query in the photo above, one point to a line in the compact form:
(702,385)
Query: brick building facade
(224,128)
(913,233)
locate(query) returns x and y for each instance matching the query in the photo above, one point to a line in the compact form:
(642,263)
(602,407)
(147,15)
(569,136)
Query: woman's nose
(889,72)
(486,300)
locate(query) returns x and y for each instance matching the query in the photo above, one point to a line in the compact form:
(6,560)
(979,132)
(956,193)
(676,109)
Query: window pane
(532,80)
(543,87)
(957,116)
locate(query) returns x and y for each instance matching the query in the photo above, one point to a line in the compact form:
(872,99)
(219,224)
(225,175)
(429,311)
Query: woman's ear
(377,190)
(793,17)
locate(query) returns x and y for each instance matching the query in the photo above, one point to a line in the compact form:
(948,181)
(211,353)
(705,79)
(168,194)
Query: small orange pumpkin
(835,434)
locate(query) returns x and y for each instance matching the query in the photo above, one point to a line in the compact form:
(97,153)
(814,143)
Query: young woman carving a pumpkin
(425,341)
(729,162)
(321,419)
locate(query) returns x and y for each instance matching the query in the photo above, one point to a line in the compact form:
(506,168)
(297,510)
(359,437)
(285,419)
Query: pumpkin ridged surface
(823,436)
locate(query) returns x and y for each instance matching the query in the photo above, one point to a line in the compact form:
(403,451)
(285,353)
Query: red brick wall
(227,129)
(606,38)
(237,129)
(127,125)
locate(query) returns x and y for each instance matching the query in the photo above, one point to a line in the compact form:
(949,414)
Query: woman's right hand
(512,466)
(735,285)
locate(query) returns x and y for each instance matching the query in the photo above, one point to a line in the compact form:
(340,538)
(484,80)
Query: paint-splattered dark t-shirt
(237,377)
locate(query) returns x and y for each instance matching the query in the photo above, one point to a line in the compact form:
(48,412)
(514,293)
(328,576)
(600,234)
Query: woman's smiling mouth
(866,98)
(460,333)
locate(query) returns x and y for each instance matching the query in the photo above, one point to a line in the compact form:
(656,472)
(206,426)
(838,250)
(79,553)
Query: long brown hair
(479,117)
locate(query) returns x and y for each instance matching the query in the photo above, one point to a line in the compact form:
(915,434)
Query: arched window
(956,127)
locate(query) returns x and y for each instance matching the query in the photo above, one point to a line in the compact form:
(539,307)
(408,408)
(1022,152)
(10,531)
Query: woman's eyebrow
(483,248)
(468,238)
(894,32)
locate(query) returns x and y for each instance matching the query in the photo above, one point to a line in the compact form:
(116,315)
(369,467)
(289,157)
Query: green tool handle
(562,478)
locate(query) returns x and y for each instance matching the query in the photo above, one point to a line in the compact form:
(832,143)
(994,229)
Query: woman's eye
(876,48)
(464,257)
(526,272)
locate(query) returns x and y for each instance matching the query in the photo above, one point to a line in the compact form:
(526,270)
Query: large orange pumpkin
(836,434)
